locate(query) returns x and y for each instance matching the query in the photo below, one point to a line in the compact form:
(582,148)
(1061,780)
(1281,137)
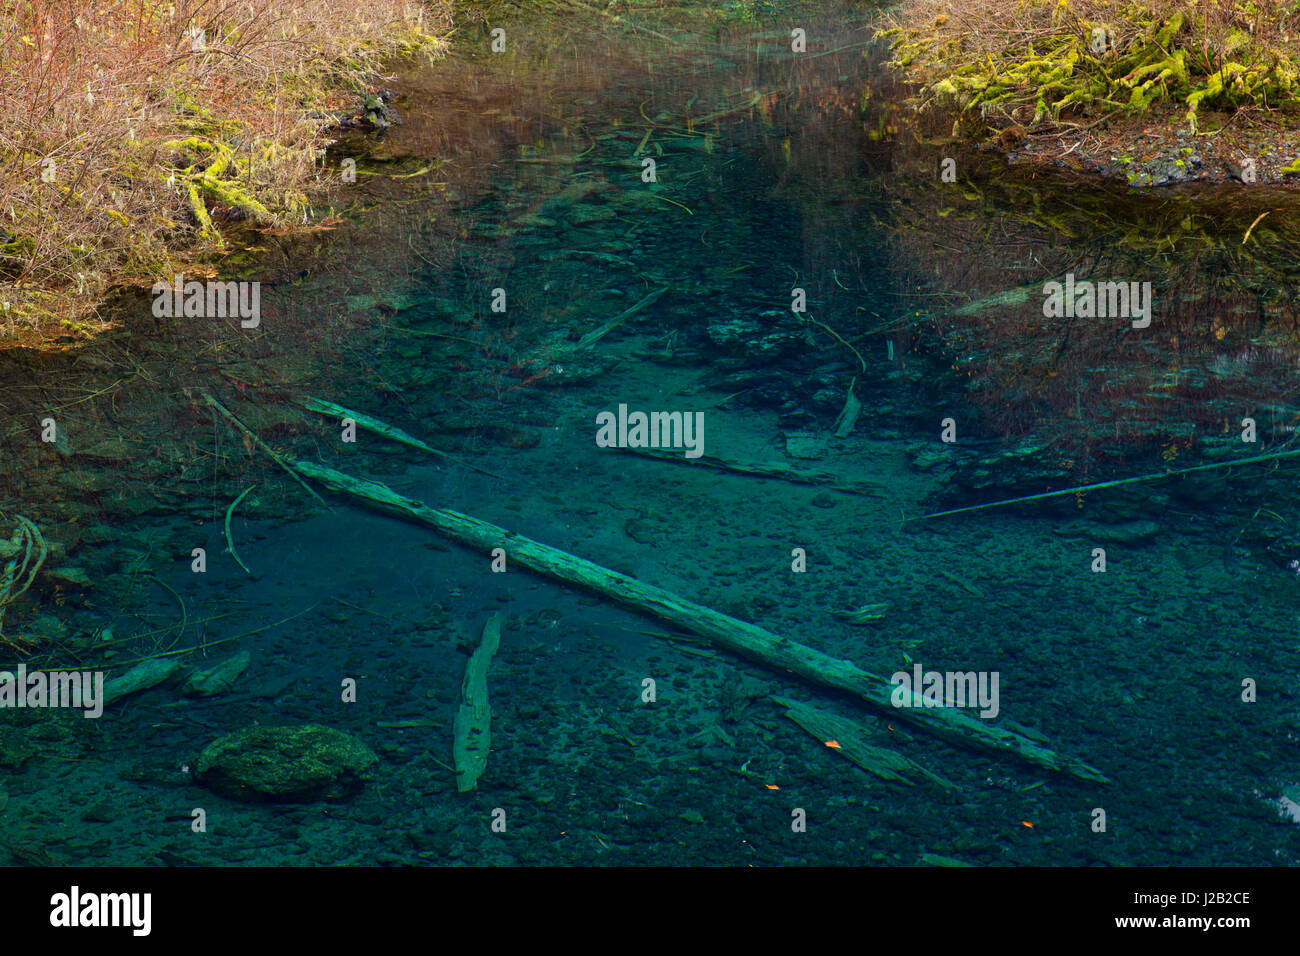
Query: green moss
(1179,59)
(206,229)
(220,182)
(229,193)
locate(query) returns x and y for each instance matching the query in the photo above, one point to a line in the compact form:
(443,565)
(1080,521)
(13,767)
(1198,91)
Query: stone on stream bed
(219,678)
(146,674)
(1132,533)
(302,763)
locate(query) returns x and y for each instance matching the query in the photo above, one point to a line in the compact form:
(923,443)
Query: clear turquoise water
(786,178)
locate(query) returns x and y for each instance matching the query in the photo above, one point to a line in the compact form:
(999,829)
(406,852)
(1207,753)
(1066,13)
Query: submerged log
(594,336)
(761,469)
(333,410)
(740,637)
(472,733)
(146,674)
(1000,301)
(851,741)
(849,414)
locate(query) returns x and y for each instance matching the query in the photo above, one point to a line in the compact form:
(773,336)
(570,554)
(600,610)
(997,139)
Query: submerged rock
(301,763)
(1130,532)
(146,674)
(219,678)
(770,334)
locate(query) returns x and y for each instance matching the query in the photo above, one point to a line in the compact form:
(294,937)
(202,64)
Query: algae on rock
(300,763)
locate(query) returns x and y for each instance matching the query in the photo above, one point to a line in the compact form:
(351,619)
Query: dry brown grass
(110,110)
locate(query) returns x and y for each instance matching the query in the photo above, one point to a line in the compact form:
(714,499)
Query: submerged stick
(853,743)
(185,614)
(1246,237)
(230,541)
(849,415)
(249,434)
(758,469)
(1116,483)
(740,637)
(206,644)
(591,338)
(692,122)
(322,407)
(673,202)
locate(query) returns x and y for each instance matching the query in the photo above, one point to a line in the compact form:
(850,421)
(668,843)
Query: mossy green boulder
(301,763)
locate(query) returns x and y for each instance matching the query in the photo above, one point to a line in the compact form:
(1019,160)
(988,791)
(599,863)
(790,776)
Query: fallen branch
(1154,476)
(1246,237)
(206,643)
(842,340)
(1003,301)
(591,338)
(758,469)
(589,9)
(740,637)
(185,614)
(230,541)
(693,122)
(1009,299)
(322,407)
(851,742)
(248,433)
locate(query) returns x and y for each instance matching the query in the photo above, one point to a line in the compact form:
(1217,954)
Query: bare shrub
(126,127)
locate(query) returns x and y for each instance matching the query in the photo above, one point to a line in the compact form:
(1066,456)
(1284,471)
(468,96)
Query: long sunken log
(740,637)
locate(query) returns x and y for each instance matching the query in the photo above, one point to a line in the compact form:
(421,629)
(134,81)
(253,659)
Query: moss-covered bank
(1091,78)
